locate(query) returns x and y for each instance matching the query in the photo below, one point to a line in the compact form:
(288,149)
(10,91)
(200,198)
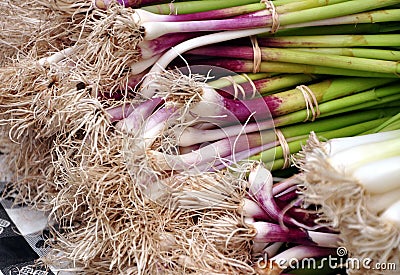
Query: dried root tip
(320,184)
(34,28)
(177,88)
(367,236)
(219,242)
(109,47)
(313,147)
(30,172)
(215,190)
(228,232)
(69,6)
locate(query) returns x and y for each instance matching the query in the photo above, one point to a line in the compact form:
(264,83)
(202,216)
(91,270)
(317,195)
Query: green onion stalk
(206,102)
(215,131)
(349,29)
(380,54)
(332,94)
(338,40)
(362,62)
(332,10)
(264,145)
(247,66)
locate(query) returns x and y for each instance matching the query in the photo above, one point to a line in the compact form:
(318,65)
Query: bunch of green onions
(219,130)
(355,182)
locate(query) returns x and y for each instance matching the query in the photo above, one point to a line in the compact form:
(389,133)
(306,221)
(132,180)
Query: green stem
(304,4)
(330,60)
(371,40)
(344,104)
(223,82)
(335,10)
(365,28)
(356,52)
(295,146)
(301,131)
(373,102)
(388,15)
(392,126)
(388,125)
(276,164)
(390,104)
(283,6)
(284,82)
(335,122)
(265,85)
(187,7)
(284,67)
(283,2)
(324,91)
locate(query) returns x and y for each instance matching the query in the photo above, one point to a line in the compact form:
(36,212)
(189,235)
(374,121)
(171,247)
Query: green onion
(354,179)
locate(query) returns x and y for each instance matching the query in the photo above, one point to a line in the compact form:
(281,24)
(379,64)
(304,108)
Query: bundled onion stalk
(217,130)
(107,69)
(334,201)
(225,111)
(346,12)
(355,181)
(352,61)
(122,35)
(54,88)
(269,216)
(106,219)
